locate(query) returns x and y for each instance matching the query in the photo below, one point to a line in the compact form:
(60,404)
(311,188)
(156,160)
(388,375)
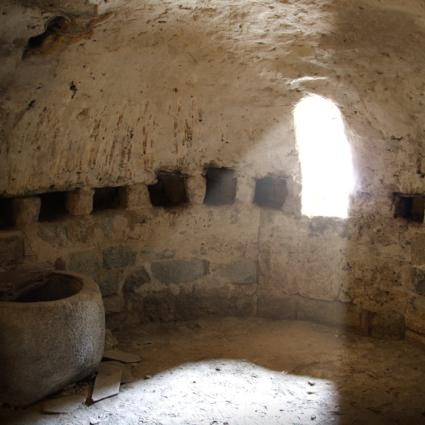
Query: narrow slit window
(325,158)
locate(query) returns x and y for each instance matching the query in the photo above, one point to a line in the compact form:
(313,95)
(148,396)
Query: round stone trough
(51,334)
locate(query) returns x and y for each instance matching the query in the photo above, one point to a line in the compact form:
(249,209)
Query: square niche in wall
(221,186)
(271,192)
(169,191)
(53,206)
(6,213)
(409,207)
(106,198)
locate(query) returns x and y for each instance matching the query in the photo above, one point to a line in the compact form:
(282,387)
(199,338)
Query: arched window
(325,157)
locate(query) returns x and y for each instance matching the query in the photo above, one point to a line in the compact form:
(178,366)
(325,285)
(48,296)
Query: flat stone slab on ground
(121,356)
(127,375)
(65,404)
(108,381)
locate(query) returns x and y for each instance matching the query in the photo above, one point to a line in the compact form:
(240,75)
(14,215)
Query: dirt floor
(255,371)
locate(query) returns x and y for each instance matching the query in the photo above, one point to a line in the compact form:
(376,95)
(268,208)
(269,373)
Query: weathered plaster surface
(178,85)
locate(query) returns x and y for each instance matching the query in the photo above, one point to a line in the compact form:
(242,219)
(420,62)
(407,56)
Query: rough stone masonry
(114,94)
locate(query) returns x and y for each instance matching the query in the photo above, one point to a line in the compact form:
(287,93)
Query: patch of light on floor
(209,392)
(306,79)
(325,157)
(234,392)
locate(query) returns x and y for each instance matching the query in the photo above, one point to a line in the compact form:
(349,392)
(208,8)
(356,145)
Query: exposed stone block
(216,301)
(11,249)
(55,234)
(271,192)
(115,321)
(134,196)
(192,303)
(113,225)
(418,250)
(221,186)
(418,280)
(179,271)
(243,271)
(113,304)
(245,188)
(136,279)
(87,262)
(166,254)
(119,256)
(196,187)
(80,201)
(109,282)
(26,210)
(158,306)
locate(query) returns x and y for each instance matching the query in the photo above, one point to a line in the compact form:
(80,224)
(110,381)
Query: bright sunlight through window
(325,157)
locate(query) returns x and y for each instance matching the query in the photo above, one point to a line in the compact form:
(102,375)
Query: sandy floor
(255,371)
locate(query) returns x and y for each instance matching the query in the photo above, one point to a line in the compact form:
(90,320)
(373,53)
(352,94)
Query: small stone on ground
(108,381)
(121,356)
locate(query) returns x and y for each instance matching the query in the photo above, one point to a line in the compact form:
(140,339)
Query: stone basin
(51,334)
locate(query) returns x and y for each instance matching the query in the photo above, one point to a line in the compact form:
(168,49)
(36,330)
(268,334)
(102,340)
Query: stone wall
(180,89)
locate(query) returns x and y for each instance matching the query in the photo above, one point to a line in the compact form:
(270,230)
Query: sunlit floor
(253,371)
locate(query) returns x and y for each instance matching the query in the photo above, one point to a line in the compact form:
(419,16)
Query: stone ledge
(80,202)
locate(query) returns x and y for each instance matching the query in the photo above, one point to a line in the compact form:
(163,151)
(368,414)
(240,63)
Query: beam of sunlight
(325,157)
(233,391)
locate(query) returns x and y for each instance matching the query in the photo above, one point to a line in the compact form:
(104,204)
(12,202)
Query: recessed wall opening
(53,206)
(54,27)
(325,158)
(221,186)
(271,192)
(169,191)
(409,207)
(6,213)
(106,198)
(227,244)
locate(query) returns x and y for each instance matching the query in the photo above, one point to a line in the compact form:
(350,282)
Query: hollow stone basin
(51,334)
